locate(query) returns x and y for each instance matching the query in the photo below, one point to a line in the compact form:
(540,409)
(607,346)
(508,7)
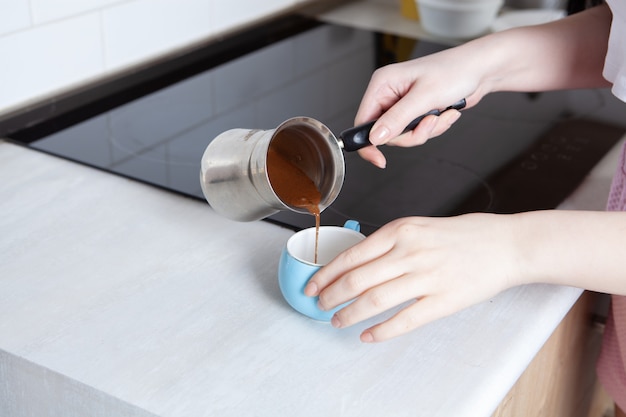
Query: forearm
(568,53)
(577,248)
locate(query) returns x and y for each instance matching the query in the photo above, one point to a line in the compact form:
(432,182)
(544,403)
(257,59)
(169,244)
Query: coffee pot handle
(358,137)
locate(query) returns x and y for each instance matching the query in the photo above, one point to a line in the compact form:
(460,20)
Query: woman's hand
(398,93)
(449,263)
(568,53)
(442,264)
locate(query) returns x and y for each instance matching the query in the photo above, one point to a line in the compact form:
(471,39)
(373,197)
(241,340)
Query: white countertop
(117,298)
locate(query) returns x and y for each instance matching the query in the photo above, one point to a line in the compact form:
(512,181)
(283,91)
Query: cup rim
(340,229)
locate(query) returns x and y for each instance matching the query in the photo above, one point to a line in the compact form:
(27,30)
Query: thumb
(392,122)
(374,155)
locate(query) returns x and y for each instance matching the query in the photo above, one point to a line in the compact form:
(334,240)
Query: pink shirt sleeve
(615,62)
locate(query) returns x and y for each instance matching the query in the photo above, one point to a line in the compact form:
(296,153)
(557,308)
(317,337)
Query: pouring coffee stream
(248,174)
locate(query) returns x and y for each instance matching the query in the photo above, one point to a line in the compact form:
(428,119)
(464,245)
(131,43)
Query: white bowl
(459,19)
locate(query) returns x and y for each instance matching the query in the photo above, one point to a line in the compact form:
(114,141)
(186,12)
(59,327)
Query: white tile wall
(141,29)
(228,14)
(45,10)
(48,57)
(53,45)
(15,15)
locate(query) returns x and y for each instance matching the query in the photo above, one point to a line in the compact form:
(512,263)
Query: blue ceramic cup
(297,264)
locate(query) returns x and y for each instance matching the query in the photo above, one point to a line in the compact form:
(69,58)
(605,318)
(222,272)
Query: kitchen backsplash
(49,46)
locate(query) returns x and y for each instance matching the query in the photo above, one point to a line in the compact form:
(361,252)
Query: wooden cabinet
(561,380)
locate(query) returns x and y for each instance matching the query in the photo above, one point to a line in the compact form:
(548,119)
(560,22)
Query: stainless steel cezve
(233,172)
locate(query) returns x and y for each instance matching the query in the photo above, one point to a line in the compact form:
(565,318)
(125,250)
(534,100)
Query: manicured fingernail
(367,337)
(455,116)
(431,122)
(335,322)
(311,289)
(378,135)
(380,163)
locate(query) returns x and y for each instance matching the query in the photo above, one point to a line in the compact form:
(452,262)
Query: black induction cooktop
(513,152)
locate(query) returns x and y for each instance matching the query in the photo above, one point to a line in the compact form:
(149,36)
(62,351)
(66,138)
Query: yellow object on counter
(397,48)
(408,8)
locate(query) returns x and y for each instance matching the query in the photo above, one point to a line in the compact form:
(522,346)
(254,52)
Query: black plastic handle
(358,137)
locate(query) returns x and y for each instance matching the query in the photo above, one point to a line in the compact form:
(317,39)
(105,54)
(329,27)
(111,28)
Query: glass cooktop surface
(512,152)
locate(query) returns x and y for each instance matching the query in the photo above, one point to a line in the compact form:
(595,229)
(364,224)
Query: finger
(379,95)
(445,121)
(423,311)
(417,136)
(411,102)
(377,300)
(376,280)
(391,123)
(430,127)
(370,248)
(391,98)
(373,155)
